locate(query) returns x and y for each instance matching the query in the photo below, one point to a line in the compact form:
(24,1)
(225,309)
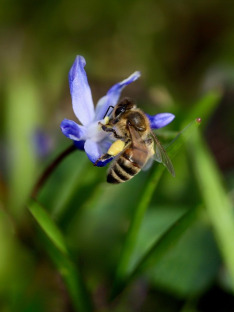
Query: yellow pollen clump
(116,148)
(106,120)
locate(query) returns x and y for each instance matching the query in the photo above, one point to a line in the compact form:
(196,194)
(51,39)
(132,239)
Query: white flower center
(95,132)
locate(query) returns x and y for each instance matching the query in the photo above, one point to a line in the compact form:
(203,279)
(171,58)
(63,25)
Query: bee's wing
(139,144)
(135,136)
(148,164)
(161,155)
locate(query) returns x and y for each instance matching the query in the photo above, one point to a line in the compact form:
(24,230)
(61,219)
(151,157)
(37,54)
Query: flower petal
(112,96)
(160,120)
(95,150)
(72,130)
(82,101)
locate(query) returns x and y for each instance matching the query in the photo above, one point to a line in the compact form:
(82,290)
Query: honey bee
(135,146)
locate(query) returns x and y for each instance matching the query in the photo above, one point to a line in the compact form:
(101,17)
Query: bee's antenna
(108,110)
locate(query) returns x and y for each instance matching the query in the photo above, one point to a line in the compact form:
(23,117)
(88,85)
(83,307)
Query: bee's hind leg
(103,158)
(113,151)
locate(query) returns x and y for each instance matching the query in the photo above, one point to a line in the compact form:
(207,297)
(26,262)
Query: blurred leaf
(17,266)
(22,118)
(161,245)
(156,221)
(215,198)
(61,257)
(166,240)
(190,266)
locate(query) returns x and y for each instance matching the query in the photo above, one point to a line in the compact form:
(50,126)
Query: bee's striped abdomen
(124,168)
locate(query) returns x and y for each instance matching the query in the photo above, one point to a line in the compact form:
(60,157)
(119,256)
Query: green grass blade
(48,226)
(123,266)
(72,278)
(216,200)
(56,247)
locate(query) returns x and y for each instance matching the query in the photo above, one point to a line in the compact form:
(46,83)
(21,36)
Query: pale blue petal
(72,130)
(95,150)
(92,150)
(160,120)
(112,96)
(82,101)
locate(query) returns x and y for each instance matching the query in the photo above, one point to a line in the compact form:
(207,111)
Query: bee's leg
(115,148)
(103,158)
(109,129)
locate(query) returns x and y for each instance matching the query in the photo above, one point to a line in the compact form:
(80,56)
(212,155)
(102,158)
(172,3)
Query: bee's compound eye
(120,110)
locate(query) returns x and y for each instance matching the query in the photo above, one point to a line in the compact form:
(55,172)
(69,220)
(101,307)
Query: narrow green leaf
(131,238)
(72,278)
(191,265)
(48,226)
(58,251)
(217,202)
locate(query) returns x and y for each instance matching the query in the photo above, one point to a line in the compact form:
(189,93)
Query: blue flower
(89,136)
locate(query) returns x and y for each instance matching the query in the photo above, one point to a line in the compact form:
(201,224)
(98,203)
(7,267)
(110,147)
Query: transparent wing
(161,156)
(148,164)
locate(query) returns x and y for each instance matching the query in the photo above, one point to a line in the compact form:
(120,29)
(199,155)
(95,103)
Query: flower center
(95,132)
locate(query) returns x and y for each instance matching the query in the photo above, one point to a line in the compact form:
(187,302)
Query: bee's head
(125,105)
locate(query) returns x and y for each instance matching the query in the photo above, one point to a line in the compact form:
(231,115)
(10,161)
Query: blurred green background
(185,52)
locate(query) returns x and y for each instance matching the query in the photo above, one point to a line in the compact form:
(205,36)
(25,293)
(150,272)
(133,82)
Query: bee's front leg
(107,128)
